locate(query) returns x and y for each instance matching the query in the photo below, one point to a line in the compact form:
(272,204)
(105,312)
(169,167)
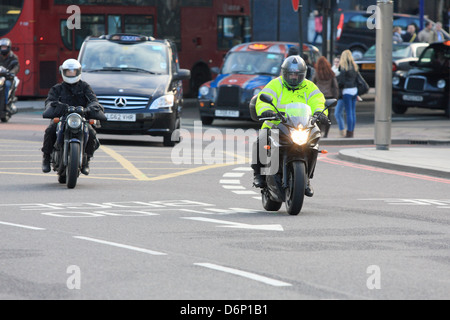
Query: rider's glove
(322,118)
(268,114)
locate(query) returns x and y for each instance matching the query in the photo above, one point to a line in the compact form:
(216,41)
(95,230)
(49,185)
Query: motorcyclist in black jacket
(10,61)
(71,92)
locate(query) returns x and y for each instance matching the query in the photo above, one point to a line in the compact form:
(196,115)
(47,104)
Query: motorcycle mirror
(329,103)
(266,98)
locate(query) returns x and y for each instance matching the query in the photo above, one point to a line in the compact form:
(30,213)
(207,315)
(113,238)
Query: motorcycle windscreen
(299,114)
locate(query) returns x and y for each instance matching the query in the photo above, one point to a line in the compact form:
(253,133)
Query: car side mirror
(182,74)
(215,70)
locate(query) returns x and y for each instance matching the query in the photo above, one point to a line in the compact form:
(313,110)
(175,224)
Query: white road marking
(232,187)
(20,226)
(243,169)
(245,274)
(230,224)
(234,175)
(246,192)
(226,181)
(124,246)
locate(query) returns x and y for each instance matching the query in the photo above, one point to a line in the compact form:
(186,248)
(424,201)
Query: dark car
(355,32)
(138,81)
(426,84)
(402,55)
(246,70)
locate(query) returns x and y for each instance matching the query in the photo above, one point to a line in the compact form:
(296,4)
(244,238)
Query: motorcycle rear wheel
(73,165)
(295,191)
(269,204)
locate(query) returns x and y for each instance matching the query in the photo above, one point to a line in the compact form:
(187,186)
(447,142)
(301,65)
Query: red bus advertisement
(44,33)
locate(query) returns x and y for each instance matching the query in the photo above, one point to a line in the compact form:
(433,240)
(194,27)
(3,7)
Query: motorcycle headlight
(74,121)
(163,102)
(2,81)
(300,136)
(441,84)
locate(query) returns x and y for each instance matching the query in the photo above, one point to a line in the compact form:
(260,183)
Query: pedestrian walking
(325,80)
(397,35)
(438,35)
(426,34)
(347,80)
(318,26)
(410,35)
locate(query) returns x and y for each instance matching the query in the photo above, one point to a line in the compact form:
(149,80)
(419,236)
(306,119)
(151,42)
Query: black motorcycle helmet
(5,42)
(293,71)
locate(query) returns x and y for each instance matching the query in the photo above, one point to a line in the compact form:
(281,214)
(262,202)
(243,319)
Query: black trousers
(50,139)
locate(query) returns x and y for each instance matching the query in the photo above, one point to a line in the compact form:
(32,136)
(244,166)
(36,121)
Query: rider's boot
(309,191)
(46,163)
(85,167)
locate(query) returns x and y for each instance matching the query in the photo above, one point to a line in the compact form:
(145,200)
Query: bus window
(93,25)
(114,24)
(139,24)
(9,13)
(66,35)
(232,31)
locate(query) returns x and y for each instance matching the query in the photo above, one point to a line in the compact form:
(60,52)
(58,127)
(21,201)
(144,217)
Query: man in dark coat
(71,92)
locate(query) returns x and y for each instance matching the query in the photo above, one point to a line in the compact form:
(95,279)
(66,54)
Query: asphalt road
(161,223)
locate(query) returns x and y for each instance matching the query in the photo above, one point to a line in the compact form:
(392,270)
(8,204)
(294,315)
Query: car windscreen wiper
(137,70)
(104,69)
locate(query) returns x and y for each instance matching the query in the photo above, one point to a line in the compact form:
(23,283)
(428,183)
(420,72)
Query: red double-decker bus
(44,33)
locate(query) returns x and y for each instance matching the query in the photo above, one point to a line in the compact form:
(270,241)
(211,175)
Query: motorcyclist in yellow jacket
(290,87)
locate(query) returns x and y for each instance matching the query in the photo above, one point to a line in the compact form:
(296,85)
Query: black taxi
(138,81)
(426,84)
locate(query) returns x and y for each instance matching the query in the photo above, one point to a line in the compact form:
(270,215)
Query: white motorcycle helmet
(70,71)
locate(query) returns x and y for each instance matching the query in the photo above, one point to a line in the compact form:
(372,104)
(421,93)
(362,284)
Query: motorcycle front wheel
(73,165)
(295,191)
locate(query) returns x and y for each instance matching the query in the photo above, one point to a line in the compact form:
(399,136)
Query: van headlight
(163,102)
(299,136)
(441,84)
(74,121)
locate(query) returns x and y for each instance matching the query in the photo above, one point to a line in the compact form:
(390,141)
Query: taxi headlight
(256,91)
(395,81)
(300,136)
(441,84)
(74,121)
(163,102)
(203,91)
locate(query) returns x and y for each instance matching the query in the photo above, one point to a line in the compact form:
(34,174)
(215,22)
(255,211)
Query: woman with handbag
(325,80)
(347,80)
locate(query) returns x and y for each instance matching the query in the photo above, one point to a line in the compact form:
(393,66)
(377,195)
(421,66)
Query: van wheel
(173,137)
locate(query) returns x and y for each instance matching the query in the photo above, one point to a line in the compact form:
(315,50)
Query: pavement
(419,145)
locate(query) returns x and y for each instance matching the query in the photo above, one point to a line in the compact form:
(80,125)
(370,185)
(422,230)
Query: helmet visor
(293,79)
(71,73)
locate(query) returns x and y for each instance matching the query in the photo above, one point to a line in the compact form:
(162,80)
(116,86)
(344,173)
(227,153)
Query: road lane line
(20,226)
(123,246)
(245,274)
(138,174)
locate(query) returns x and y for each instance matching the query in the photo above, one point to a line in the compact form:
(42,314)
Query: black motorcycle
(292,149)
(7,109)
(68,153)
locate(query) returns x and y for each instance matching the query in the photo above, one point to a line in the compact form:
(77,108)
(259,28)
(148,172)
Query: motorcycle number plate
(126,117)
(408,97)
(227,113)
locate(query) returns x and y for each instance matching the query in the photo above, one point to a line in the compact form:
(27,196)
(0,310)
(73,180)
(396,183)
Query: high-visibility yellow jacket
(307,93)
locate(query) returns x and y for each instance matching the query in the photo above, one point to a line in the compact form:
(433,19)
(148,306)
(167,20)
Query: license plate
(126,117)
(368,66)
(227,113)
(408,97)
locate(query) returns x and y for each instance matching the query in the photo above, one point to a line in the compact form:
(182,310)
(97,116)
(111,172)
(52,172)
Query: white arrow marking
(230,224)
